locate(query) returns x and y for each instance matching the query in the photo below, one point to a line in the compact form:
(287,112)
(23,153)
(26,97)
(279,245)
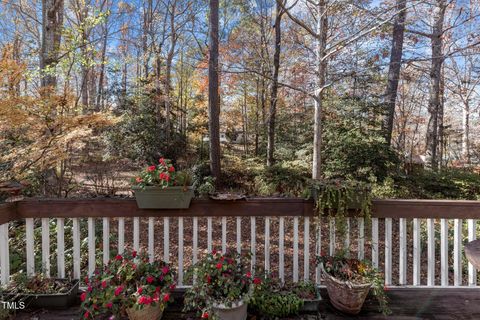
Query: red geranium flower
(138,179)
(86,314)
(134,254)
(118,290)
(249,274)
(257,280)
(83,296)
(162,161)
(205,315)
(140,290)
(109,305)
(219,265)
(165,270)
(89,289)
(104,284)
(171,169)
(118,257)
(151,168)
(172,287)
(166,297)
(150,279)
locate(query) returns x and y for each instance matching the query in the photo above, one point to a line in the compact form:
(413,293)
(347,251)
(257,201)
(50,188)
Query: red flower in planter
(139,291)
(167,177)
(89,289)
(171,169)
(172,287)
(118,290)
(257,280)
(150,279)
(134,254)
(166,297)
(109,305)
(249,274)
(162,161)
(151,168)
(205,315)
(104,284)
(83,296)
(219,265)
(118,257)
(86,314)
(138,179)
(165,270)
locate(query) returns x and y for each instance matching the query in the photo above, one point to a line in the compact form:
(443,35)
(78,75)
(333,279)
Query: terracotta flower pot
(237,311)
(163,198)
(151,312)
(346,296)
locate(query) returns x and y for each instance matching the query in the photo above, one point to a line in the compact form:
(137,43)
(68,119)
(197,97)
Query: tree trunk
(434,97)
(213,93)
(321,68)
(466,133)
(52,24)
(274,92)
(394,68)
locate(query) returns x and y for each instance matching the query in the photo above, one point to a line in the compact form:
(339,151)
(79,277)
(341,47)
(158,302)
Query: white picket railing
(405,249)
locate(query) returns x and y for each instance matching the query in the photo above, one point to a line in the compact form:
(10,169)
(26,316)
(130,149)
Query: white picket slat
(4,255)
(121,235)
(346,241)
(361,238)
(295,249)
(388,251)
(91,246)
(166,239)
(180,251)
(239,235)
(402,264)
(281,249)
(76,247)
(46,246)
(209,234)
(318,276)
(375,252)
(267,244)
(416,252)
(195,240)
(151,239)
(253,236)
(106,240)
(29,224)
(61,247)
(306,249)
(224,234)
(472,235)
(444,251)
(332,236)
(457,252)
(136,233)
(431,252)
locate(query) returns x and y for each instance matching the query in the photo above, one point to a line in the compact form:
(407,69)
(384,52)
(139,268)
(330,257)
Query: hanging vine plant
(335,198)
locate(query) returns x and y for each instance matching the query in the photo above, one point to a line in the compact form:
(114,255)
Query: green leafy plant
(207,186)
(219,279)
(272,300)
(163,175)
(127,281)
(305,290)
(37,283)
(357,272)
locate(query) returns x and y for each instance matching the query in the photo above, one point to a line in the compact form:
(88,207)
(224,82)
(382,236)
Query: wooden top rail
(80,208)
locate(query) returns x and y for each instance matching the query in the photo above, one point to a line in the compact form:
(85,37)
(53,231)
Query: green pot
(355,201)
(163,198)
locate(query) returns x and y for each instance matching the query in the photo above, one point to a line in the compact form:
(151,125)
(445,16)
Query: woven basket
(147,312)
(345,296)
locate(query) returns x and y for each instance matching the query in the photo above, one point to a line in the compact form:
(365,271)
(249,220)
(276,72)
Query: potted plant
(349,281)
(271,300)
(309,293)
(39,291)
(128,285)
(162,187)
(221,286)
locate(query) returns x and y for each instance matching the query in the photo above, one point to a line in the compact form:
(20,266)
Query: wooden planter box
(312,305)
(47,300)
(163,198)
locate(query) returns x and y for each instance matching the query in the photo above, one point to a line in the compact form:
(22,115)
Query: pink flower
(104,284)
(165,270)
(166,297)
(118,290)
(172,286)
(134,253)
(249,274)
(138,179)
(214,252)
(109,305)
(89,289)
(151,168)
(83,296)
(150,279)
(162,161)
(86,280)
(86,314)
(139,291)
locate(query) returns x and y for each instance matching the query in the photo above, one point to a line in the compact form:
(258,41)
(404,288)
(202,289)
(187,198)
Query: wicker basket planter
(238,311)
(149,312)
(163,198)
(346,296)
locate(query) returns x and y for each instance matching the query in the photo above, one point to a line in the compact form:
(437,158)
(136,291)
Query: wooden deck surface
(406,304)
